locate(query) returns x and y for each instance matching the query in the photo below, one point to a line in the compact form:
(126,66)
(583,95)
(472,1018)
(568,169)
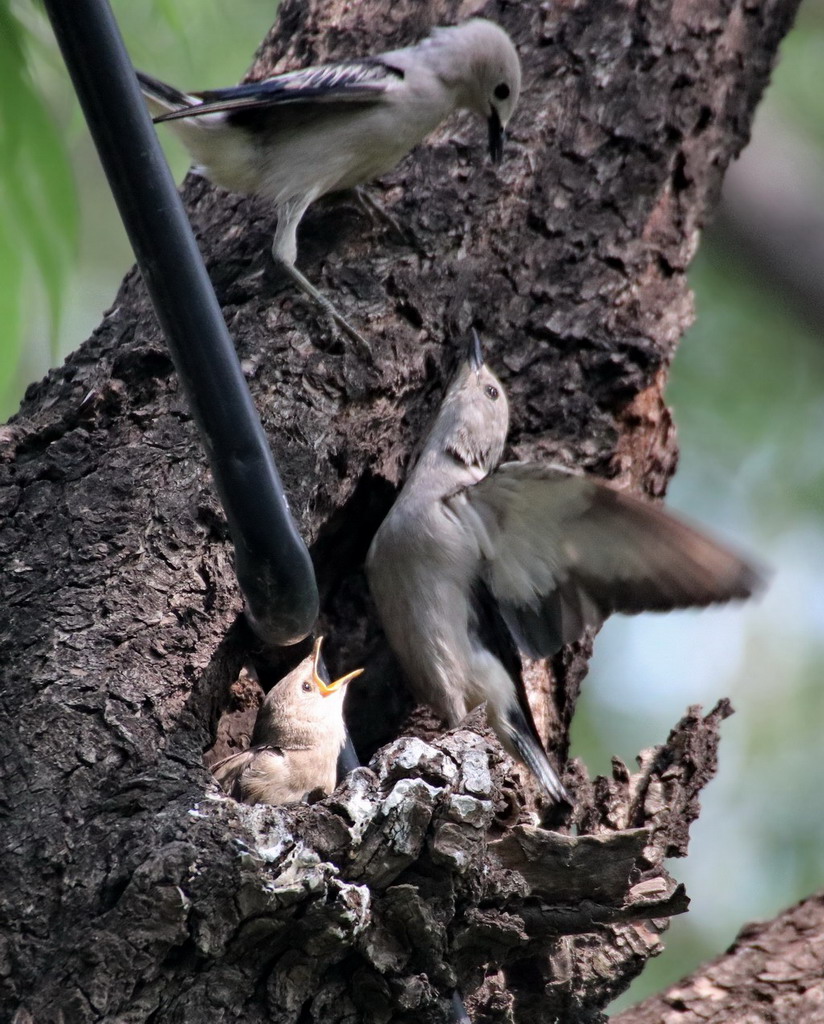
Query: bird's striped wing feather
(355,81)
(250,775)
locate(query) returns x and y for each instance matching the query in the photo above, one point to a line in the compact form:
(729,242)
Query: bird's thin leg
(379,215)
(328,308)
(284,253)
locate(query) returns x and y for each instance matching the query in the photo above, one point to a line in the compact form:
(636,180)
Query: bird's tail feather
(161,97)
(528,748)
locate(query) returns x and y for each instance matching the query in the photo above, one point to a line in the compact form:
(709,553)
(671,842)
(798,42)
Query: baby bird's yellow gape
(298,136)
(298,735)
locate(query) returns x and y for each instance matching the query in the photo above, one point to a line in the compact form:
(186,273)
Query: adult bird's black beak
(496,136)
(475,355)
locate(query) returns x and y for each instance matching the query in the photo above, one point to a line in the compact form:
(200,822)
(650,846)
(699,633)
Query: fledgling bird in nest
(298,734)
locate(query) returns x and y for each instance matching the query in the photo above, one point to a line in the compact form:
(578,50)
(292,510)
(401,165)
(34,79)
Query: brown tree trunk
(131,893)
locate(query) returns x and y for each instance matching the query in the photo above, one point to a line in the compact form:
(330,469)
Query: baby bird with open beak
(298,735)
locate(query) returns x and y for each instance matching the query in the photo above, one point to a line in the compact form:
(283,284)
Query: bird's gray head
(302,702)
(473,420)
(490,71)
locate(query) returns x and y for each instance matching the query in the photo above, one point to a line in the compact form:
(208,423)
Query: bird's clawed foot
(329,310)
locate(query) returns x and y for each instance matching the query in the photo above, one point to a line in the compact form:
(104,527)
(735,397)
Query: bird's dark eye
(306,686)
(491,392)
(501,91)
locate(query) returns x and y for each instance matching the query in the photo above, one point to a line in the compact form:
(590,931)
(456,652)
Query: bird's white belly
(351,148)
(422,567)
(227,158)
(422,600)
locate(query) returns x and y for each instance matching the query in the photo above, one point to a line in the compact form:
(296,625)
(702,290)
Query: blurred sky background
(747,389)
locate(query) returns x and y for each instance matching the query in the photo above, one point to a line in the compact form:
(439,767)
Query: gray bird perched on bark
(477,560)
(297,136)
(298,734)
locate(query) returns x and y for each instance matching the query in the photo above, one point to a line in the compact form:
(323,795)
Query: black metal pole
(272,563)
(271,560)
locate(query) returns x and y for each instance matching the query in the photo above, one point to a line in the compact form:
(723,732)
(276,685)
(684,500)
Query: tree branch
(773,971)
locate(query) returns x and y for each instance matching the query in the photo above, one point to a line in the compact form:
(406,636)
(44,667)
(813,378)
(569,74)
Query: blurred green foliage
(60,235)
(38,215)
(746,388)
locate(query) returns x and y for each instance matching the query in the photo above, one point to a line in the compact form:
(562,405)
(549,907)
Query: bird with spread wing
(477,560)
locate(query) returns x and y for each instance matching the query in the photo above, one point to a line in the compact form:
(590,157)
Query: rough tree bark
(131,891)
